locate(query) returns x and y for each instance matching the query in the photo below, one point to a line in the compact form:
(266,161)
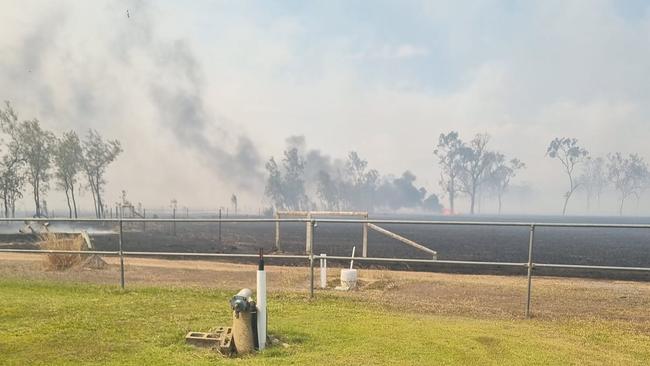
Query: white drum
(349,278)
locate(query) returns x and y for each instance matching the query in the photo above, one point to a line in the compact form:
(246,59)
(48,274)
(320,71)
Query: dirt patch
(482,296)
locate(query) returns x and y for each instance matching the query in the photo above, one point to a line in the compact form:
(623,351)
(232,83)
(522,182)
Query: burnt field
(586,246)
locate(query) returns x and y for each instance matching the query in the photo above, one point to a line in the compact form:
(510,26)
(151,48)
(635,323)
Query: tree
(476,160)
(593,179)
(294,181)
(328,191)
(12,180)
(570,154)
(361,186)
(97,156)
(285,185)
(501,173)
(448,152)
(35,145)
(68,157)
(273,188)
(12,176)
(628,175)
(233,200)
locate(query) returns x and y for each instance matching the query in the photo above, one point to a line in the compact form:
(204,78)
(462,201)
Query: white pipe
(323,271)
(261,309)
(261,304)
(352,260)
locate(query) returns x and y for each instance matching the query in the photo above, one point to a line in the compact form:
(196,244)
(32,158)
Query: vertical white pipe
(261,308)
(364,249)
(323,271)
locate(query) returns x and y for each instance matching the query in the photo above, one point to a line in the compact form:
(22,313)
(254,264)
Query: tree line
(628,175)
(34,156)
(473,169)
(346,185)
(468,169)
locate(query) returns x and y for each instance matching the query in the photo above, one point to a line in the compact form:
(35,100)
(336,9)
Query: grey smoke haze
(84,95)
(200,94)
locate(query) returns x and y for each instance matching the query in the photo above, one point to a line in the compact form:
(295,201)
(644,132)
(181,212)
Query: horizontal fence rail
(310,257)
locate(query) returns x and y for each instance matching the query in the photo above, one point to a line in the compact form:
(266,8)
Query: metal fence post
(310,243)
(121,256)
(530,268)
(309,231)
(277,233)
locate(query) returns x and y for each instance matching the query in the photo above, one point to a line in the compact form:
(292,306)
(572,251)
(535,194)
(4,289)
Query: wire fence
(310,257)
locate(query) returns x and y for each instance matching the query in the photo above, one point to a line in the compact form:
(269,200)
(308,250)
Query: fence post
(310,244)
(121,257)
(365,238)
(174,222)
(309,232)
(530,268)
(277,233)
(323,270)
(219,227)
(144,222)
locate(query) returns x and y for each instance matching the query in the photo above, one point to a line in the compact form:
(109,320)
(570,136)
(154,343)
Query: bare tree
(570,154)
(35,146)
(449,156)
(501,173)
(628,175)
(97,156)
(593,179)
(68,158)
(476,161)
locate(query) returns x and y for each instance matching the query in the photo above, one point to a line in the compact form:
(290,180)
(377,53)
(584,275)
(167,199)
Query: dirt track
(451,294)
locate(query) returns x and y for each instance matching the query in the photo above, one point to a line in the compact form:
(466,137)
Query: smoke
(126,77)
(315,161)
(179,100)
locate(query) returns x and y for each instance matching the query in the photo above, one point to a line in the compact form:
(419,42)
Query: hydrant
(244,321)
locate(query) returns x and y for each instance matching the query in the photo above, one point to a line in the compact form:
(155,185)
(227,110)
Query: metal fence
(530,265)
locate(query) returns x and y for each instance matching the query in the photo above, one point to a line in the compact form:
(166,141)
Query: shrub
(60,262)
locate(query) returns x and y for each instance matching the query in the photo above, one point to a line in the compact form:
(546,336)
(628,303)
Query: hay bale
(60,262)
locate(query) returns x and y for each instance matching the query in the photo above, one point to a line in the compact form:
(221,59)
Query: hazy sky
(189,87)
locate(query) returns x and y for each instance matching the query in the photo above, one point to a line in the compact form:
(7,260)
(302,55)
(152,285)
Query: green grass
(51,323)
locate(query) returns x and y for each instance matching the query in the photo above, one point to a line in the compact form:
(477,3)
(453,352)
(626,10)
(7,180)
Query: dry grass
(61,262)
(476,296)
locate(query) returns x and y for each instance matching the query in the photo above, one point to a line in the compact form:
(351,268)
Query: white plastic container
(349,278)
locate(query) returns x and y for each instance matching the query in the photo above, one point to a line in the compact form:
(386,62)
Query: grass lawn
(52,323)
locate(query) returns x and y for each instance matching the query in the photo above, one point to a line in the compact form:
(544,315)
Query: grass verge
(52,323)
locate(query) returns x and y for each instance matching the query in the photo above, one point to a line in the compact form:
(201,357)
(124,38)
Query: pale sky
(183,84)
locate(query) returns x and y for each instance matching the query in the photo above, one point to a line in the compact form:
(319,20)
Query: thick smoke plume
(126,72)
